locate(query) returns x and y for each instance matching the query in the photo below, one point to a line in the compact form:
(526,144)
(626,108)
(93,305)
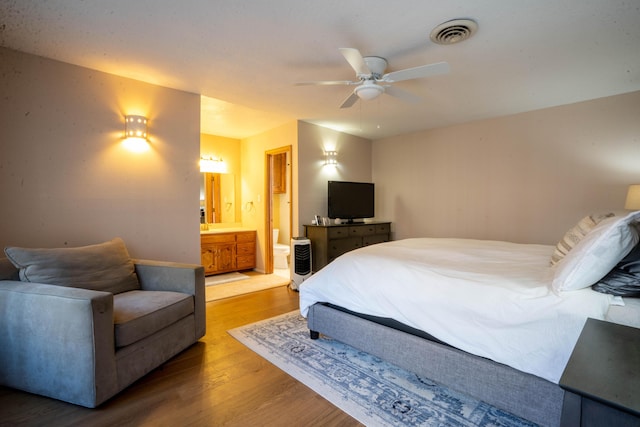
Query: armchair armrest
(168,276)
(176,277)
(57,341)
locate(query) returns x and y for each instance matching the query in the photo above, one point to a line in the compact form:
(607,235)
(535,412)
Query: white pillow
(572,237)
(597,253)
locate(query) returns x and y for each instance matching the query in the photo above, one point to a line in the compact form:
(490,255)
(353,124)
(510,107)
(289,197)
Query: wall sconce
(212,165)
(135,133)
(135,127)
(331,158)
(633,198)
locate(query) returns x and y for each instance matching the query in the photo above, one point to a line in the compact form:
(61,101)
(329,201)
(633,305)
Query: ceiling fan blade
(349,101)
(416,72)
(402,94)
(355,59)
(326,83)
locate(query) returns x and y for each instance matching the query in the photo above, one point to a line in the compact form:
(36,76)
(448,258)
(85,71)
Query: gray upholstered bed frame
(522,394)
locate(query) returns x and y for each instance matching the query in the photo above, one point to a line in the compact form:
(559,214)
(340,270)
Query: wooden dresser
(225,251)
(330,241)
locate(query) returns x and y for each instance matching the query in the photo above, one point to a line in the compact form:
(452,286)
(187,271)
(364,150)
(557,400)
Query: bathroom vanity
(224,250)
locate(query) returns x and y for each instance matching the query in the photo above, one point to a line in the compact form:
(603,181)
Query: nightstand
(602,378)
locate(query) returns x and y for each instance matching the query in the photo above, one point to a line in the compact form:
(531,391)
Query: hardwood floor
(216,382)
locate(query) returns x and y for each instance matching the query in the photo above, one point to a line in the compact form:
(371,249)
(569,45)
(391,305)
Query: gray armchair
(83,346)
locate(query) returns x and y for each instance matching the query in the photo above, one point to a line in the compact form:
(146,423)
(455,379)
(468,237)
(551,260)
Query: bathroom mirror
(217,197)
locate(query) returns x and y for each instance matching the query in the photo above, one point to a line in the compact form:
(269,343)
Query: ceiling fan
(371,78)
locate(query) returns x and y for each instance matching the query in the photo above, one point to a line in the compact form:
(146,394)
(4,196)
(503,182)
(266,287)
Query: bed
(496,320)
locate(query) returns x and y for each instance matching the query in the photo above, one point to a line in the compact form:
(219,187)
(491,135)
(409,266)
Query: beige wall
(524,178)
(354,164)
(253,180)
(65,178)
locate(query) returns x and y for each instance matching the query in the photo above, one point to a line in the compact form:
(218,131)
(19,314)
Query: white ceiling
(247,55)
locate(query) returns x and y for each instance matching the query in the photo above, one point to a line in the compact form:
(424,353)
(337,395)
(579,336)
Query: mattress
(489,298)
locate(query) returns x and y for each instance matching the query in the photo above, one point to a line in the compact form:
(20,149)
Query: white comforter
(488,298)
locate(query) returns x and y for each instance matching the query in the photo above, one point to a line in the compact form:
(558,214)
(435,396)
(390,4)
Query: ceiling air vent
(454,31)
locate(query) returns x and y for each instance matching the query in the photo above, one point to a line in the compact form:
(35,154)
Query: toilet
(280,252)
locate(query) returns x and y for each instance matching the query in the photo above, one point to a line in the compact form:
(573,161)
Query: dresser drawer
(244,249)
(246,237)
(340,246)
(376,238)
(383,228)
(218,238)
(245,262)
(337,232)
(362,230)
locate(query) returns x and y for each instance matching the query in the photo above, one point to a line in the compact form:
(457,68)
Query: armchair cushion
(138,314)
(103,267)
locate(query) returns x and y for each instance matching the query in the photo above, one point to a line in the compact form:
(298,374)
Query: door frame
(212,197)
(268,260)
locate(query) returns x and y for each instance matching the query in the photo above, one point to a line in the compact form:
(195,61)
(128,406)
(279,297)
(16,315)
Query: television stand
(330,241)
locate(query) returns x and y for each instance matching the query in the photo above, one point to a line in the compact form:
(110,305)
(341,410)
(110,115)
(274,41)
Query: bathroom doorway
(278,210)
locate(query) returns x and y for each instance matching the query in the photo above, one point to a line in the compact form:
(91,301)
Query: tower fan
(300,261)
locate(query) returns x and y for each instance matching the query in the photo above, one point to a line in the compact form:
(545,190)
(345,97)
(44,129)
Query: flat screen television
(351,200)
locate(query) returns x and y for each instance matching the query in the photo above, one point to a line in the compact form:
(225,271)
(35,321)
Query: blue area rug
(372,391)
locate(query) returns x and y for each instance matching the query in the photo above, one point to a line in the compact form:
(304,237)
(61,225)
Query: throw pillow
(102,267)
(624,279)
(597,253)
(572,237)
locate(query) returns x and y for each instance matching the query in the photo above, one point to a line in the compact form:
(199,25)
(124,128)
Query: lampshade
(135,127)
(633,198)
(369,91)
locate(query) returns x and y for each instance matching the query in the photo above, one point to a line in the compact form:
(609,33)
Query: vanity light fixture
(212,165)
(331,158)
(135,133)
(633,198)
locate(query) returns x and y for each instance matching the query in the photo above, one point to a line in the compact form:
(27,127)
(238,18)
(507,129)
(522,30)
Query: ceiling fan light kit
(369,91)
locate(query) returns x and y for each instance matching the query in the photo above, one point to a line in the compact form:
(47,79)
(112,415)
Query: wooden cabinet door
(218,257)
(207,258)
(225,257)
(280,173)
(224,252)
